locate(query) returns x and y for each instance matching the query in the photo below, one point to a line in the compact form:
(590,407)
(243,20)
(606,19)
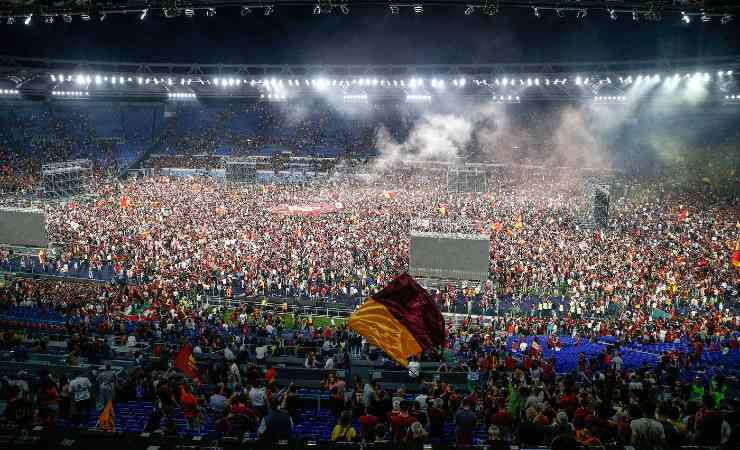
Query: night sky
(370,35)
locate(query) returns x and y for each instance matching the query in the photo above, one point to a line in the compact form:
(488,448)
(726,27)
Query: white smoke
(575,142)
(435,137)
(572,137)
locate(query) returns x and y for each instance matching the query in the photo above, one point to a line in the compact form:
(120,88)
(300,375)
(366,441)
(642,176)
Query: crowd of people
(150,248)
(515,397)
(666,249)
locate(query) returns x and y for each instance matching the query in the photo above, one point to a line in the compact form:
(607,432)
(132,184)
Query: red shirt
(367,426)
(503,419)
(400,424)
(189,404)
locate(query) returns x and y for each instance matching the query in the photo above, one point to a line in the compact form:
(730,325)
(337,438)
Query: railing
(273,304)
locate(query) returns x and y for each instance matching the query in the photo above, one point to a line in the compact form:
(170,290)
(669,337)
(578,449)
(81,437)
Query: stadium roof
(641,9)
(600,81)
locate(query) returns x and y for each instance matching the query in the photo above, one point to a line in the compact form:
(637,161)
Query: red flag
(683,215)
(125,202)
(736,255)
(185,362)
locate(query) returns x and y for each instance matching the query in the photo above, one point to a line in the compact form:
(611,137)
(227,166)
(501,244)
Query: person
(711,428)
(276,426)
(336,401)
(49,397)
(647,433)
(329,363)
(465,421)
(293,401)
(495,441)
(379,434)
(19,409)
(310,362)
(79,387)
(436,417)
(258,399)
(416,437)
(190,407)
(367,426)
(369,393)
(530,432)
(421,400)
(222,425)
(617,362)
(343,430)
(565,441)
(108,380)
(218,403)
(561,425)
(401,421)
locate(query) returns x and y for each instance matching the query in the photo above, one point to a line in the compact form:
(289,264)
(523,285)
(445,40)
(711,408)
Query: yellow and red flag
(736,255)
(389,195)
(107,421)
(519,223)
(185,362)
(125,202)
(402,319)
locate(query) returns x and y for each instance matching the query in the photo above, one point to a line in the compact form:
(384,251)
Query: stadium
(297,224)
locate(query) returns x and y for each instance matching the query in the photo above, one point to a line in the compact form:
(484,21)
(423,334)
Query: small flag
(185,362)
(402,319)
(498,226)
(106,421)
(736,255)
(519,223)
(683,215)
(389,195)
(443,210)
(125,202)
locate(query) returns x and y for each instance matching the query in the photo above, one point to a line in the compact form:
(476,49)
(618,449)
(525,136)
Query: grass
(318,321)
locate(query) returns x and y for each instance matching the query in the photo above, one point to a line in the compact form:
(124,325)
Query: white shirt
(80,388)
(421,399)
(257,397)
(228,354)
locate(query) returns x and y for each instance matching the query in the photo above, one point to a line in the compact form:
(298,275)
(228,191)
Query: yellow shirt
(341,433)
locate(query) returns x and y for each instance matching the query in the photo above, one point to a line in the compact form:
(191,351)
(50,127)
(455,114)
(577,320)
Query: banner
(660,314)
(307,209)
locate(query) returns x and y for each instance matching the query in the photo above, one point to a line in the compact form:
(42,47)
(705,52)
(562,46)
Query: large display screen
(449,256)
(23,227)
